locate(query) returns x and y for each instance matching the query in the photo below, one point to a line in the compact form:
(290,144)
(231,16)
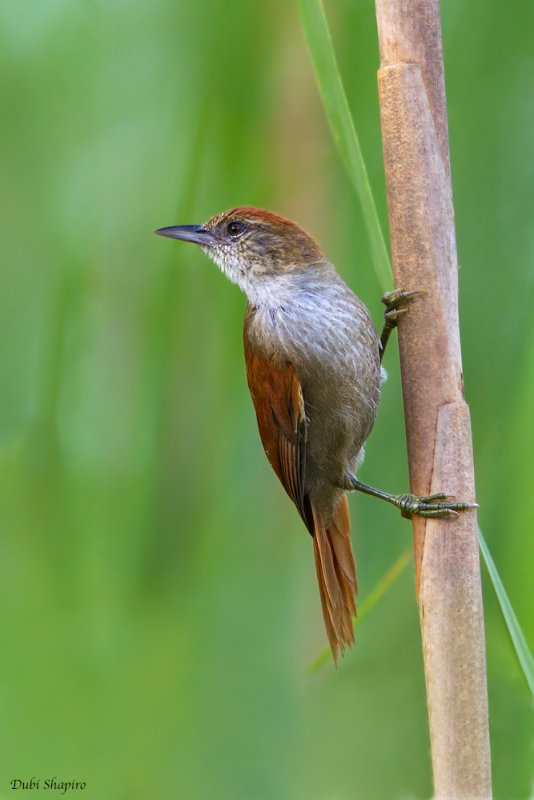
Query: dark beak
(187,233)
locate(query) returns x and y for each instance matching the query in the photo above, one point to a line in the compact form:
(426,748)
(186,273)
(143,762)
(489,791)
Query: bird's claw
(393,299)
(433,505)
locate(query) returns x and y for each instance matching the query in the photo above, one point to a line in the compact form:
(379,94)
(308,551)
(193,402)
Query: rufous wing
(278,399)
(277,396)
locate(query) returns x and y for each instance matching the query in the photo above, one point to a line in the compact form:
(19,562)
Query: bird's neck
(288,289)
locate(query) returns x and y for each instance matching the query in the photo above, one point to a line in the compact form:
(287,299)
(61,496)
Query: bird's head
(258,250)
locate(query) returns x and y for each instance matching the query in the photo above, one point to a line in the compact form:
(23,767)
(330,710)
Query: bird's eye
(235,228)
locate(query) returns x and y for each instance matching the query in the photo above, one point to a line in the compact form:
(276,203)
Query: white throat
(268,291)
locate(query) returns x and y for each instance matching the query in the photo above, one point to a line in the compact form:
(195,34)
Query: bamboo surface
(421,215)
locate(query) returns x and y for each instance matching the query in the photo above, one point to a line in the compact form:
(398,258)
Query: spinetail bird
(313,362)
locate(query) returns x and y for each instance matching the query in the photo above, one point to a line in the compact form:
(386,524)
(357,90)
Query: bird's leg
(433,505)
(392,300)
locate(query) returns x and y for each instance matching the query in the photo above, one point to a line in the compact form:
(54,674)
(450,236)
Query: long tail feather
(336,573)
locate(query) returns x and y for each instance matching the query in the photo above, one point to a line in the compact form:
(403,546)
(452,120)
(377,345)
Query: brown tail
(336,573)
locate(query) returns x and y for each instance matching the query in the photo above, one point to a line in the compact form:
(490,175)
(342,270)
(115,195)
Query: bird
(313,362)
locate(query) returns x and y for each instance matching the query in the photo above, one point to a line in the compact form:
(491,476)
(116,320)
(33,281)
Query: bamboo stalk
(416,156)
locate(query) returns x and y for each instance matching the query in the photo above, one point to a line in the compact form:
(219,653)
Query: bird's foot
(410,505)
(432,505)
(392,301)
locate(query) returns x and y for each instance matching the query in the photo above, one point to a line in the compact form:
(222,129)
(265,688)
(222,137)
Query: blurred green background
(159,601)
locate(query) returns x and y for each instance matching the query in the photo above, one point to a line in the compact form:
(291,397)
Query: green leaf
(342,126)
(516,634)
